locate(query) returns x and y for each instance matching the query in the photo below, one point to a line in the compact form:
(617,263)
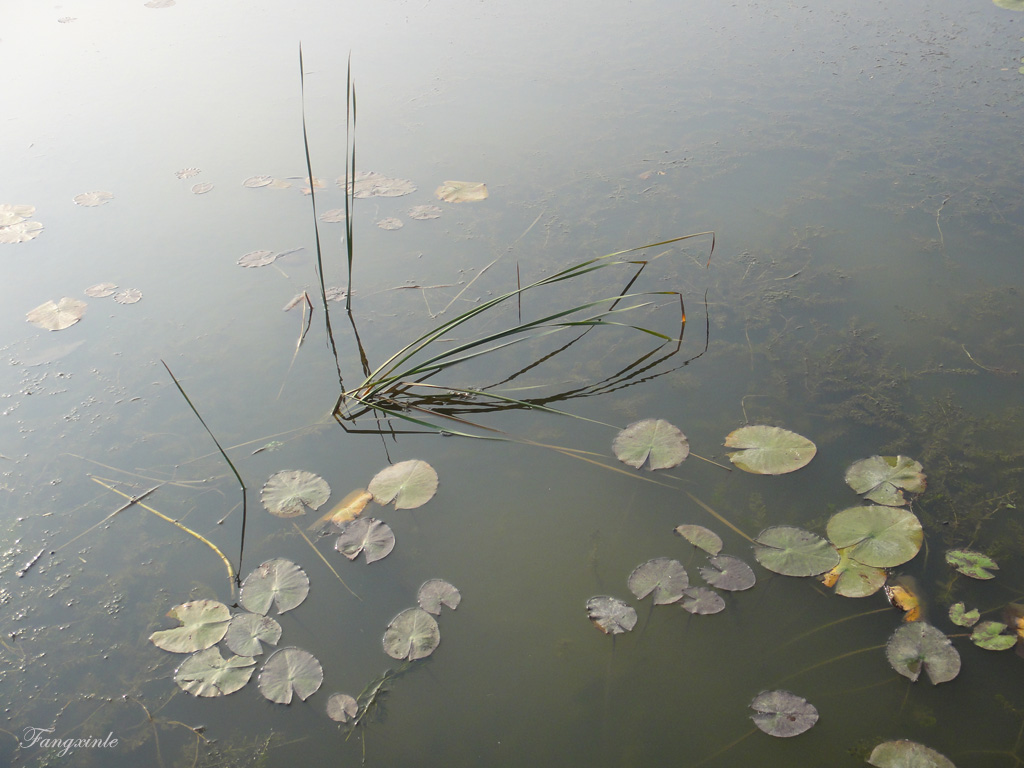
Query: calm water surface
(861,167)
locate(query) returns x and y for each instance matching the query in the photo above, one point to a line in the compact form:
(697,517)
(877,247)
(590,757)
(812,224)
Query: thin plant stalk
(350,174)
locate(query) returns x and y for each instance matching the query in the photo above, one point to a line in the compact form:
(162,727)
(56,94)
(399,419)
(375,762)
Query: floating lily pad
(424,212)
(661,577)
(989,635)
(410,484)
(341,707)
(390,223)
(100,290)
(653,440)
(128,296)
(367,535)
(255,259)
(918,646)
(277,582)
(782,714)
(1010,5)
(333,216)
(702,601)
(883,537)
(202,188)
(254,182)
(973,564)
(203,623)
(960,616)
(462,191)
(902,593)
(187,173)
(93,199)
(611,615)
(701,537)
(728,573)
(435,593)
(373,184)
(412,634)
(21,232)
(56,316)
(769,450)
(794,551)
(208,674)
(290,670)
(287,493)
(853,579)
(883,479)
(907,754)
(14,214)
(160,3)
(247,631)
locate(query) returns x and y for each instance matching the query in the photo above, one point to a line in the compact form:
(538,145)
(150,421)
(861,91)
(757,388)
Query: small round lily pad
(611,615)
(651,440)
(409,484)
(765,450)
(793,551)
(782,714)
(289,492)
(412,634)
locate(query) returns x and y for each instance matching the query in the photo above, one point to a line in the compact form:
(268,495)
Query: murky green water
(861,167)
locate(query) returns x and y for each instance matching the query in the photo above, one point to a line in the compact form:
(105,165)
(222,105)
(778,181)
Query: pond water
(861,168)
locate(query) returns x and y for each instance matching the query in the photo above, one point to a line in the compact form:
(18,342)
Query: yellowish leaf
(346,510)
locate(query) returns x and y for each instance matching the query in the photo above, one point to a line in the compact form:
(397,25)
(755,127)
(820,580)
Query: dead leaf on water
(100,290)
(390,223)
(187,173)
(128,296)
(93,199)
(13,214)
(424,212)
(346,510)
(56,316)
(462,191)
(21,232)
(254,182)
(201,189)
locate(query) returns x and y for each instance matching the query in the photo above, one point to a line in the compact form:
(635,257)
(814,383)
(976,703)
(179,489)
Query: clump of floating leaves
(14,224)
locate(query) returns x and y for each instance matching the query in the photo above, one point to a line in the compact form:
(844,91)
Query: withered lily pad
(100,290)
(13,214)
(20,232)
(412,634)
(435,593)
(254,182)
(373,184)
(853,579)
(794,551)
(187,173)
(255,259)
(663,578)
(248,631)
(390,223)
(290,670)
(128,296)
(424,212)
(333,216)
(209,674)
(203,623)
(973,564)
(93,199)
(919,646)
(56,316)
(907,754)
(287,493)
(728,573)
(883,537)
(409,484)
(651,440)
(883,479)
(783,714)
(341,707)
(989,635)
(367,535)
(277,582)
(345,511)
(768,450)
(701,538)
(202,188)
(462,191)
(611,615)
(962,617)
(702,601)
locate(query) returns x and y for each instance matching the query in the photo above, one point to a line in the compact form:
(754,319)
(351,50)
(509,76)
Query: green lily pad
(794,551)
(435,593)
(853,579)
(287,493)
(782,714)
(290,670)
(208,674)
(277,582)
(409,484)
(883,479)
(203,623)
(1010,5)
(701,537)
(661,577)
(341,707)
(611,615)
(412,634)
(702,601)
(916,646)
(883,537)
(973,564)
(907,754)
(769,450)
(989,635)
(960,616)
(247,631)
(728,573)
(367,535)
(653,440)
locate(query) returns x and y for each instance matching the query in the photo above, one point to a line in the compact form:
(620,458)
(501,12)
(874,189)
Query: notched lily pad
(853,579)
(290,671)
(728,573)
(883,479)
(782,714)
(663,578)
(203,623)
(409,484)
(287,493)
(341,707)
(701,537)
(56,316)
(93,199)
(907,754)
(248,631)
(15,214)
(611,615)
(973,564)
(651,440)
(960,616)
(989,635)
(435,593)
(768,450)
(277,582)
(883,537)
(919,646)
(702,601)
(20,232)
(412,634)
(794,552)
(209,674)
(367,535)
(128,296)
